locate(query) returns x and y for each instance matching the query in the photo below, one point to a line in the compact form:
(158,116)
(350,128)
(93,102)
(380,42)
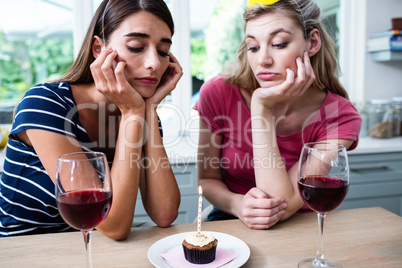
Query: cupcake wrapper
(200,256)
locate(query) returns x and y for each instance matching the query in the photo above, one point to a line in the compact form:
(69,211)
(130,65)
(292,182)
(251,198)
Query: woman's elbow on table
(165,215)
(289,212)
(286,216)
(166,219)
(117,229)
(117,233)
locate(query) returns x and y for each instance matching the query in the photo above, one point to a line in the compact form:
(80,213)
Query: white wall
(364,78)
(382,79)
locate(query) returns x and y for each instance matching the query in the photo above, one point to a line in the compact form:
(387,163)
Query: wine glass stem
(320,251)
(87,240)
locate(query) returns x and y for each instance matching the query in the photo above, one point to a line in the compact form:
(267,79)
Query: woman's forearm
(219,195)
(159,190)
(125,175)
(270,171)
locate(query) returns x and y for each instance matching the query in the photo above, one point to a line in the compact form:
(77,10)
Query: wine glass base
(314,263)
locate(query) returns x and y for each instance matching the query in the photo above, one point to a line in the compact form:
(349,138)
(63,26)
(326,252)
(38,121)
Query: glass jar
(380,118)
(362,109)
(397,116)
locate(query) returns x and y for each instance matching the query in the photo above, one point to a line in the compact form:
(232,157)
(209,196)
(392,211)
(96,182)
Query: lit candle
(199,210)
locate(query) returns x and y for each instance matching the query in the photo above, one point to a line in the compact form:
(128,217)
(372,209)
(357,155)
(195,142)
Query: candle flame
(200,190)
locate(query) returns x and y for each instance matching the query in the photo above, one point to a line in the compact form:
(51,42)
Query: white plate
(173,243)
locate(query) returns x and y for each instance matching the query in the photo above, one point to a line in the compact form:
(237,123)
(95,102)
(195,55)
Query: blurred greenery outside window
(24,63)
(29,60)
(216,46)
(36,45)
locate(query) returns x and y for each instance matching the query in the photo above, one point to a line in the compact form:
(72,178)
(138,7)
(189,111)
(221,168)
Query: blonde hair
(307,16)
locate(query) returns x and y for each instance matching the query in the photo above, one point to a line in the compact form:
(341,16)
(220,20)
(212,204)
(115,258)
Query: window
(330,10)
(207,36)
(36,45)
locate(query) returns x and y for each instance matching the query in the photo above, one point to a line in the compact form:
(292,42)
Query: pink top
(223,110)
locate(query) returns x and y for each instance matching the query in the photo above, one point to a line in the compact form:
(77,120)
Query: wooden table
(369,237)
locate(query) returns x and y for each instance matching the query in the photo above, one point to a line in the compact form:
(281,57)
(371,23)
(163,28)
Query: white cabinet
(186,177)
(375,180)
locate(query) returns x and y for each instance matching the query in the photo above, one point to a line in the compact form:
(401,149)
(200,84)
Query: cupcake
(200,249)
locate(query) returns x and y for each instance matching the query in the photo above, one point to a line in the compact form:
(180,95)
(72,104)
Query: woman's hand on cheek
(110,80)
(293,87)
(297,85)
(305,74)
(168,82)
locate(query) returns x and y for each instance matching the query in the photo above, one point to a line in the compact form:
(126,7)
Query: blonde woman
(284,92)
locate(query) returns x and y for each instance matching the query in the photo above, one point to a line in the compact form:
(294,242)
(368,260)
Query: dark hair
(116,12)
(307,16)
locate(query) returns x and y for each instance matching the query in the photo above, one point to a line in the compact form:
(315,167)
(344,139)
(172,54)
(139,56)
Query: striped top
(27,193)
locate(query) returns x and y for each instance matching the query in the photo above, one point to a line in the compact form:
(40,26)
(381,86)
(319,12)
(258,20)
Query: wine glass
(83,192)
(323,182)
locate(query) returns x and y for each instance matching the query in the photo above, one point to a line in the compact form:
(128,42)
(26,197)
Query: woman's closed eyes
(281,45)
(141,49)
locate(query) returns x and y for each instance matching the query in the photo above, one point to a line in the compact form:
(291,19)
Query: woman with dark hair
(105,102)
(283,93)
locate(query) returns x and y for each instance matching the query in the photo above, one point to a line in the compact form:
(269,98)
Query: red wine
(83,210)
(322,193)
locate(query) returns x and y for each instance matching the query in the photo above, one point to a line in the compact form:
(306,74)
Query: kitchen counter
(184,149)
(368,145)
